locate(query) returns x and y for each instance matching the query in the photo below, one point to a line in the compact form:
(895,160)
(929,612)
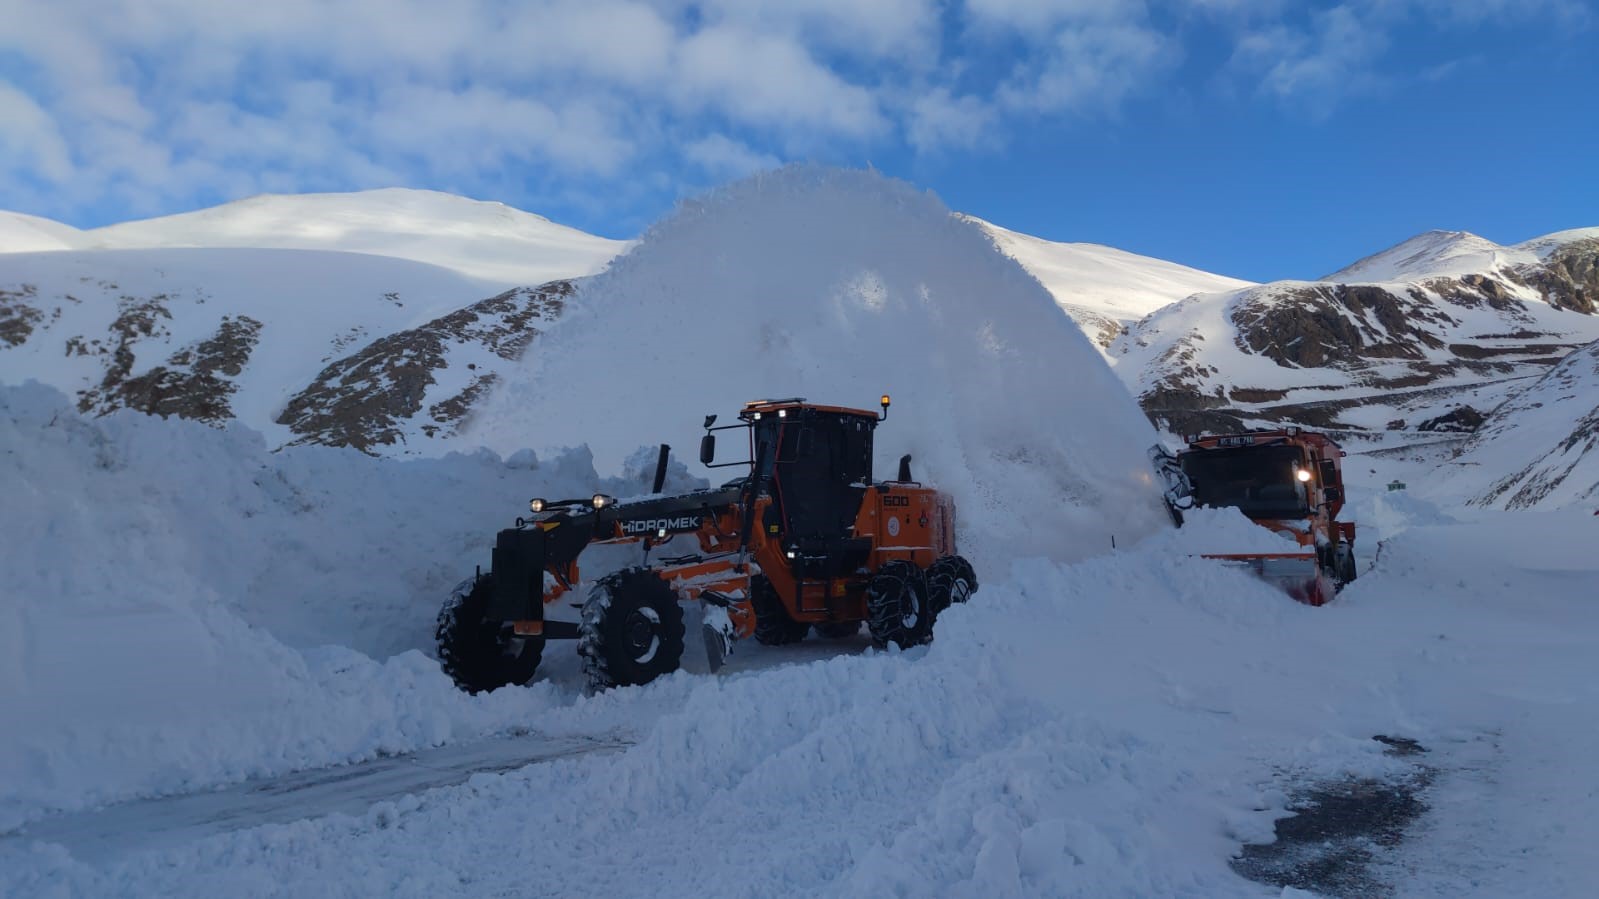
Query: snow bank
(1108,729)
(1223,531)
(1390,513)
(839,286)
(162,579)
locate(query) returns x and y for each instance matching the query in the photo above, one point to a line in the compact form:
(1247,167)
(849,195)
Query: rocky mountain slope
(1103,289)
(305,346)
(372,320)
(1426,336)
(1541,447)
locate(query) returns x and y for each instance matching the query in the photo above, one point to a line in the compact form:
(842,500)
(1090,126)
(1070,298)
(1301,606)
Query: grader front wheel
(632,630)
(480,654)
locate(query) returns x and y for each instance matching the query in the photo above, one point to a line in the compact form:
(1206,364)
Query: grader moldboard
(1288,480)
(804,540)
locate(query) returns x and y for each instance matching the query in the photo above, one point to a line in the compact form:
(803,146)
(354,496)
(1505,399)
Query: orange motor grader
(806,539)
(1289,480)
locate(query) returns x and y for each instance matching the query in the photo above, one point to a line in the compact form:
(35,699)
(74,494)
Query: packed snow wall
(839,286)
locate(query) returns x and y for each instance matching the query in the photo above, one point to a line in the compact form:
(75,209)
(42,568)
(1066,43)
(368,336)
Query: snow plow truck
(804,540)
(1288,480)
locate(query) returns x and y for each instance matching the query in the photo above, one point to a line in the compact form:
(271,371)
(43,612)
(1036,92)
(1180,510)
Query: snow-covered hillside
(1541,447)
(487,241)
(373,320)
(1102,288)
(1463,324)
(839,286)
(21,233)
(302,345)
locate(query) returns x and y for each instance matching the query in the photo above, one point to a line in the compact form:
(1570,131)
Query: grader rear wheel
(897,606)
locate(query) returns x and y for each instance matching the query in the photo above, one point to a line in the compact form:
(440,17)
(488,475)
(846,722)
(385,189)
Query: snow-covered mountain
(302,345)
(1426,336)
(372,320)
(487,241)
(1104,289)
(1541,446)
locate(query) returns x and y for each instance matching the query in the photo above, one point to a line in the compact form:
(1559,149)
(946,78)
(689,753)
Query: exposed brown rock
(365,399)
(197,381)
(1569,278)
(1255,395)
(18,315)
(1463,419)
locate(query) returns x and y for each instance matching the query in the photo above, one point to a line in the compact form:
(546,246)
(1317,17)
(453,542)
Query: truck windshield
(1258,480)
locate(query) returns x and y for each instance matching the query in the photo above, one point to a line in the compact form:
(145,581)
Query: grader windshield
(1261,481)
(820,461)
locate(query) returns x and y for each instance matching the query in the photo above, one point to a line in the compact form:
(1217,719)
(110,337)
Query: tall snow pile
(181,607)
(838,286)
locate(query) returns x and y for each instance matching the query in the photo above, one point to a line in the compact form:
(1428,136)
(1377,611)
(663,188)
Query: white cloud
(723,157)
(1033,16)
(1090,67)
(904,32)
(769,81)
(150,103)
(31,141)
(940,120)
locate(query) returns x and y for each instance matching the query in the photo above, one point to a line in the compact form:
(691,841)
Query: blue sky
(1256,138)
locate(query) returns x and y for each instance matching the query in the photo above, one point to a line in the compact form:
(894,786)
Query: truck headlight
(600,501)
(537,505)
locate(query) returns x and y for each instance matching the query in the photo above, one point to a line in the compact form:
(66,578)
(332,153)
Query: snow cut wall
(839,286)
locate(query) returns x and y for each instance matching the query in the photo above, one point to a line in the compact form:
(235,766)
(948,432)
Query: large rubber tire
(632,630)
(1347,570)
(897,606)
(479,654)
(950,580)
(837,630)
(773,626)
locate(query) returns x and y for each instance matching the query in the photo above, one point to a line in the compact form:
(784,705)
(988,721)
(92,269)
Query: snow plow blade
(1297,574)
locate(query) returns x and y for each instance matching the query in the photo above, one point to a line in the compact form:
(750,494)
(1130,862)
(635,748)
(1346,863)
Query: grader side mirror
(707,449)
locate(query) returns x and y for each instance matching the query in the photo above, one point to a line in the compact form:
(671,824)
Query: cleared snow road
(169,821)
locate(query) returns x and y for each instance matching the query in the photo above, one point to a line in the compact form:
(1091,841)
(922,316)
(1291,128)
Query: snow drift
(837,286)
